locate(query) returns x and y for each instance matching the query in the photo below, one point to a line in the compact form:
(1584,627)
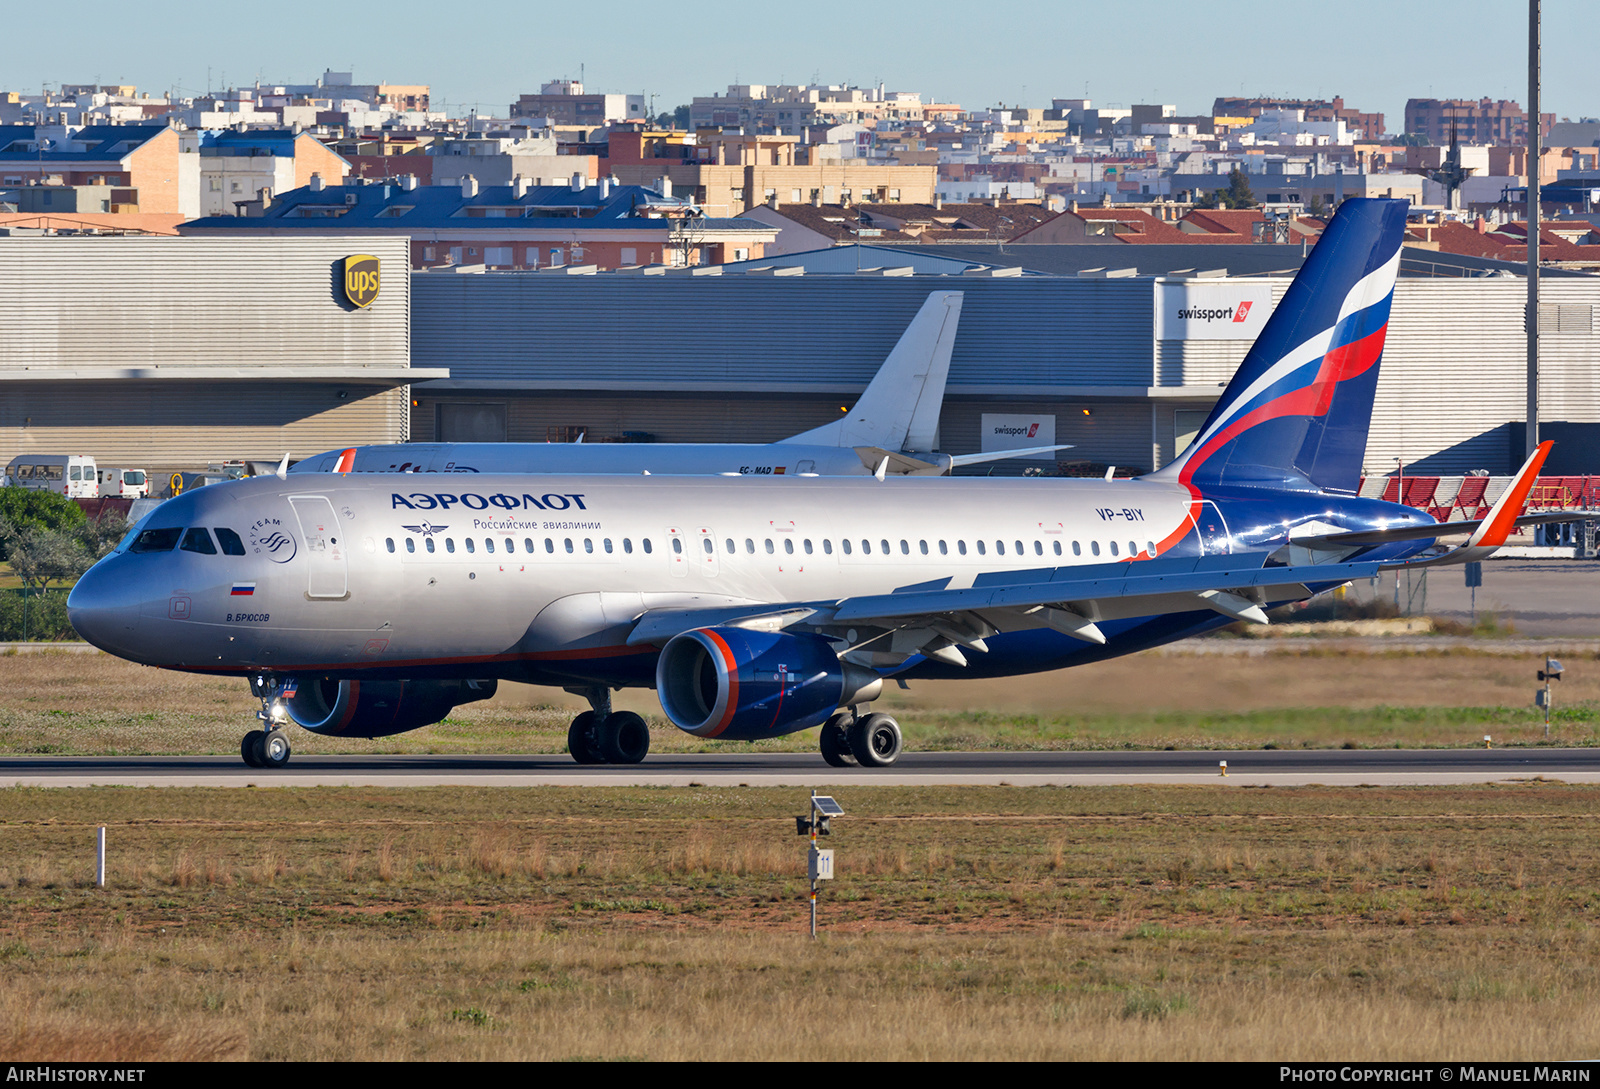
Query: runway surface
(1338,767)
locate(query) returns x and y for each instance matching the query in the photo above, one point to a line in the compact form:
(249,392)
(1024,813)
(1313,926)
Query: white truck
(125,483)
(71,475)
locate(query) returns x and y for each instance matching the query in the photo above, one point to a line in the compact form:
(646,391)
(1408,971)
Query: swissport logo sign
(1007,431)
(1227,310)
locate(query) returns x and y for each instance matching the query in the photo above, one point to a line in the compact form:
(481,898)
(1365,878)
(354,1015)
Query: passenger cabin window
(449,544)
(961,547)
(233,546)
(1077,549)
(470,546)
(527,545)
(389,541)
(411,546)
(627,545)
(769,546)
(648,547)
(788,546)
(427,542)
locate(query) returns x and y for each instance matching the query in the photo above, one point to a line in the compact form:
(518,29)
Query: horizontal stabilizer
(1002,455)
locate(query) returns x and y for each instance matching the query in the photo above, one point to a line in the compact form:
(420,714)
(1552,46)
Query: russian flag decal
(243,589)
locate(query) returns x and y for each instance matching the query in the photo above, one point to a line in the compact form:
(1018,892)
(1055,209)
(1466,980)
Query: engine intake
(324,705)
(743,685)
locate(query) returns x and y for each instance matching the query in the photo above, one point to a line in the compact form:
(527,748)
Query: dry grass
(982,923)
(72,703)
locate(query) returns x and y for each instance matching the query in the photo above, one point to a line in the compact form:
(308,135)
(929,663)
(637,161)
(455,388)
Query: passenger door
(323,537)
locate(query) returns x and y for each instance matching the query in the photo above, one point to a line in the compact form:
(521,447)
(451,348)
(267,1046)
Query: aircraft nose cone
(104,608)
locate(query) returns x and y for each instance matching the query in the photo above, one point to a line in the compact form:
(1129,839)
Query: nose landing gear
(604,736)
(267,748)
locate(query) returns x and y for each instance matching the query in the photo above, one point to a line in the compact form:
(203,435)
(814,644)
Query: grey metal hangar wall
(169,353)
(753,358)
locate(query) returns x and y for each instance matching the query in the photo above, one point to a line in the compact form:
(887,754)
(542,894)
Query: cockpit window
(198,540)
(230,542)
(157,540)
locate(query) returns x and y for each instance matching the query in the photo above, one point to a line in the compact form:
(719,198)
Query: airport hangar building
(173,353)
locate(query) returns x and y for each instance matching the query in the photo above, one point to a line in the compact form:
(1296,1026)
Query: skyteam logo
(268,538)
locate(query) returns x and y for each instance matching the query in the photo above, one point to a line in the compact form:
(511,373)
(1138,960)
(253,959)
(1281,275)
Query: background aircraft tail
(899,410)
(1298,409)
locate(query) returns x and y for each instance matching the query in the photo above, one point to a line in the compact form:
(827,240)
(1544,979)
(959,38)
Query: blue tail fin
(1296,414)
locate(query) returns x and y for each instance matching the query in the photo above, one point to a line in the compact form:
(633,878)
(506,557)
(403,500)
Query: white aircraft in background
(892,430)
(367,604)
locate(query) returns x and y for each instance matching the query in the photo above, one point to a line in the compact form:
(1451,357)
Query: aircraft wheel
(274,748)
(251,749)
(624,738)
(581,739)
(835,741)
(875,740)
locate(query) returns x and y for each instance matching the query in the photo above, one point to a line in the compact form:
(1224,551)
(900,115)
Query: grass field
(977,923)
(93,703)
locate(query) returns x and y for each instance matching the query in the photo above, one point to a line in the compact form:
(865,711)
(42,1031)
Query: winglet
(1503,516)
(346,462)
(283,467)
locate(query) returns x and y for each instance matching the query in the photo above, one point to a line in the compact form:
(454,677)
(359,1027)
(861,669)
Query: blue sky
(1376,54)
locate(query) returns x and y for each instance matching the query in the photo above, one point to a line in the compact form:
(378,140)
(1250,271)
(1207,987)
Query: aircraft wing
(932,619)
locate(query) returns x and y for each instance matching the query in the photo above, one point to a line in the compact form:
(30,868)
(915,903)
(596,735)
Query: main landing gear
(267,748)
(871,741)
(604,736)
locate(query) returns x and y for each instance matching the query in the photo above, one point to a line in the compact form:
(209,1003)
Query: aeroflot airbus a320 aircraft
(891,430)
(366,604)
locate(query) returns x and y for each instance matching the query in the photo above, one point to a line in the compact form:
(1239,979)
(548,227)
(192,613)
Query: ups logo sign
(361,279)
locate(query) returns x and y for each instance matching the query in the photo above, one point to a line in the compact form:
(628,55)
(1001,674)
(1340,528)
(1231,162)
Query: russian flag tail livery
(1295,416)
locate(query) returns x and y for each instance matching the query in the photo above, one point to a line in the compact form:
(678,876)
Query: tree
(42,556)
(1238,194)
(32,508)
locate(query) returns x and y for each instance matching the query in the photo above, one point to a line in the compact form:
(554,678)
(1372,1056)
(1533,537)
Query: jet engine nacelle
(739,684)
(373,708)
